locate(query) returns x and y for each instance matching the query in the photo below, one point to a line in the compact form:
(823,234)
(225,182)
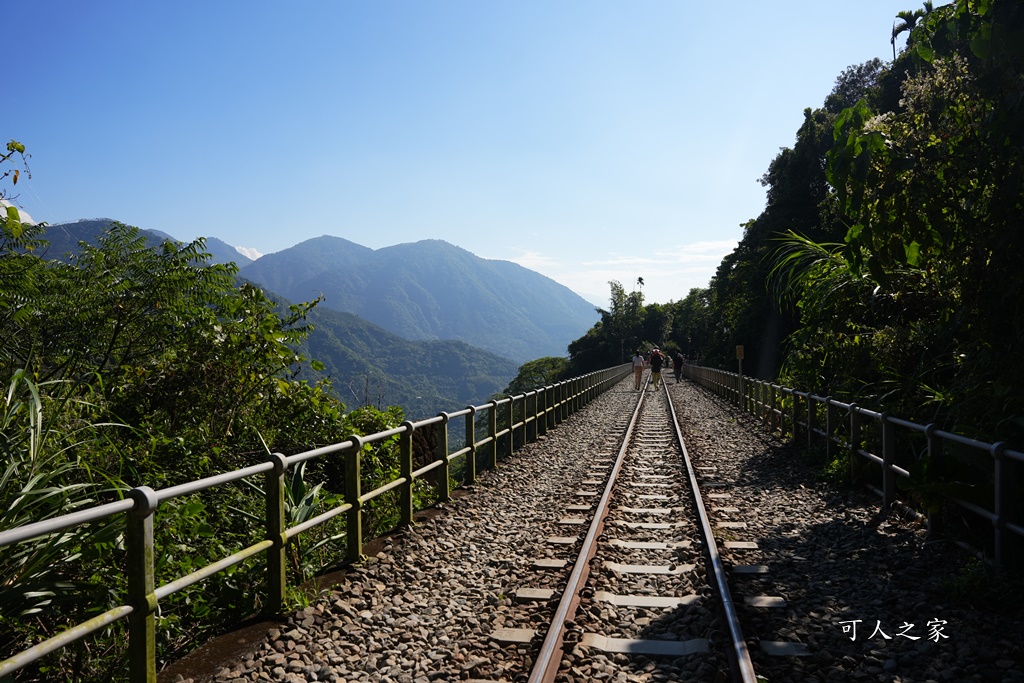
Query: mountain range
(427,325)
(431,290)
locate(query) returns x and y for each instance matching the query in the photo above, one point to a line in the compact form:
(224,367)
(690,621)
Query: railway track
(636,578)
(470,593)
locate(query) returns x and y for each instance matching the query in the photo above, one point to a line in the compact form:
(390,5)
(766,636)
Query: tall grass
(52,580)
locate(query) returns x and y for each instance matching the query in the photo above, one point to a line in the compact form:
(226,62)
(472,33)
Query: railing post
(353,496)
(492,432)
(1002,493)
(795,410)
(811,414)
(277,581)
(549,407)
(141,585)
(932,450)
(518,428)
(888,455)
(511,421)
(471,443)
(542,411)
(405,502)
(529,434)
(773,400)
(855,462)
(444,492)
(830,426)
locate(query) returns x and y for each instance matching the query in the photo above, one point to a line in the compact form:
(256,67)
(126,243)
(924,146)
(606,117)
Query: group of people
(655,361)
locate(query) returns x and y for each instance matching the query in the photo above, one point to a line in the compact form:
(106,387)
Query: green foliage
(932,192)
(52,581)
(538,373)
(369,366)
(837,471)
(302,503)
(130,364)
(39,481)
(885,268)
(625,327)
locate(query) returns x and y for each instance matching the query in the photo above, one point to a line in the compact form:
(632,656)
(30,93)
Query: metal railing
(868,435)
(527,416)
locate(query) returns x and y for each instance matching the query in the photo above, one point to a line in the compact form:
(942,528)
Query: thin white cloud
(669,272)
(535,260)
(701,253)
(248,252)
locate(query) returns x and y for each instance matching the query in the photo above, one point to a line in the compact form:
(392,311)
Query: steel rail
(545,667)
(739,655)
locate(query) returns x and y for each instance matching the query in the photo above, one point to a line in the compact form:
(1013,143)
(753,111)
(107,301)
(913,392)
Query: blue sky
(589,141)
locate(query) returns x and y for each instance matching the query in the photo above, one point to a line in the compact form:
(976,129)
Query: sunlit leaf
(913,253)
(925,51)
(14,222)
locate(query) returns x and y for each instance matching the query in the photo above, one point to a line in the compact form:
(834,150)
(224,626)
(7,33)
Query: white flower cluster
(948,81)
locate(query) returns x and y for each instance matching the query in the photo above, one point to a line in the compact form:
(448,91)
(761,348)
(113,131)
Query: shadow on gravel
(873,599)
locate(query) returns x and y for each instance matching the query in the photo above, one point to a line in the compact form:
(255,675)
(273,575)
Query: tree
(538,373)
(931,194)
(132,366)
(624,318)
(19,267)
(907,20)
(615,337)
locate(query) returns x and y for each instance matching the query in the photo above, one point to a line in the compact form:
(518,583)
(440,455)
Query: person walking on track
(657,360)
(638,369)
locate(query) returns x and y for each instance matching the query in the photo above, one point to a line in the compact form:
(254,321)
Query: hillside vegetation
(370,366)
(885,267)
(366,364)
(128,364)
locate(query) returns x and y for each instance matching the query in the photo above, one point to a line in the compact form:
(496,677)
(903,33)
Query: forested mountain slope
(368,365)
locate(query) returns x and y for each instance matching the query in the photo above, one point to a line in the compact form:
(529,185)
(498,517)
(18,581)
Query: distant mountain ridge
(64,239)
(367,364)
(421,291)
(364,362)
(432,290)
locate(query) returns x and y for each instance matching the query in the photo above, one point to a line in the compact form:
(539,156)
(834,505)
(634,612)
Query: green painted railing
(527,416)
(868,436)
